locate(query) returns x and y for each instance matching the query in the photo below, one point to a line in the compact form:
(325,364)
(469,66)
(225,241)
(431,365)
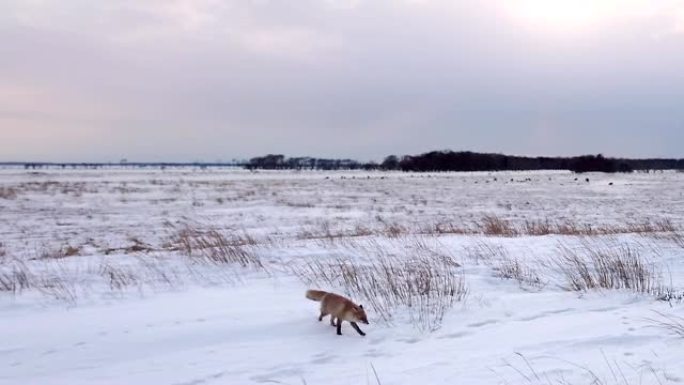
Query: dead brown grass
(445,227)
(57,286)
(489,225)
(520,271)
(59,253)
(663,225)
(14,277)
(485,253)
(538,227)
(212,246)
(427,284)
(494,225)
(8,193)
(119,277)
(596,267)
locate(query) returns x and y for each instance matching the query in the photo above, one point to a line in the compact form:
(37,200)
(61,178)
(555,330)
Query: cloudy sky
(207,79)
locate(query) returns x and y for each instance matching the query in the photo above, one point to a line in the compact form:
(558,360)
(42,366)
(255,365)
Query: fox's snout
(361,315)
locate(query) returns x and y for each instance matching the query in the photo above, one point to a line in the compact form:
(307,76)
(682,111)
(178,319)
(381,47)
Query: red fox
(340,308)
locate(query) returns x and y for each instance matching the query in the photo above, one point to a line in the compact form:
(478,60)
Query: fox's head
(360,314)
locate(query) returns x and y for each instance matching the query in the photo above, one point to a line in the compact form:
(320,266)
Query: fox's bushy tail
(315,295)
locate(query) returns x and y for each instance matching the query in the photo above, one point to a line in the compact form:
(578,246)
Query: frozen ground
(198,277)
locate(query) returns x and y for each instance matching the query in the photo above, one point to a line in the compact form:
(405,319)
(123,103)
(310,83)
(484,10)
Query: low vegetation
(521,370)
(378,239)
(493,225)
(597,267)
(668,322)
(8,192)
(513,268)
(212,246)
(426,283)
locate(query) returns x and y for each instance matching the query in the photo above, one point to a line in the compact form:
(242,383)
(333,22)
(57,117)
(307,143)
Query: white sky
(183,80)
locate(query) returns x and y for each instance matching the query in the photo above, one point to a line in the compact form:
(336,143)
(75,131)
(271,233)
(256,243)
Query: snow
(179,321)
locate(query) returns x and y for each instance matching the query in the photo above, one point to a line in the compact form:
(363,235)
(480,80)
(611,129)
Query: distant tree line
(467,161)
(280,162)
(429,161)
(471,161)
(101,165)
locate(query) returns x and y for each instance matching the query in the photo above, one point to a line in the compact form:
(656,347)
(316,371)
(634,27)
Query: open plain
(193,276)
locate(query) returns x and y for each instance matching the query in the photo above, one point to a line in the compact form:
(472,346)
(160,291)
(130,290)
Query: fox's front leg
(357,328)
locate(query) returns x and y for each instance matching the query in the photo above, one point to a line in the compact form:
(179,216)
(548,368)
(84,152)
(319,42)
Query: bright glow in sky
(209,79)
(566,15)
(573,16)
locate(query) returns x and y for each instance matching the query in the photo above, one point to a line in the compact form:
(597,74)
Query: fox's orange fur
(340,308)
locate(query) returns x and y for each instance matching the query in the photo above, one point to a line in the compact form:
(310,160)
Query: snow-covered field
(184,276)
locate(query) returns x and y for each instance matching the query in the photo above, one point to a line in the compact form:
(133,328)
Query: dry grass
(119,277)
(538,227)
(138,246)
(664,225)
(51,187)
(489,225)
(597,267)
(444,227)
(212,246)
(327,231)
(669,322)
(150,272)
(394,230)
(675,237)
(14,277)
(520,271)
(67,282)
(52,280)
(427,283)
(58,286)
(59,253)
(594,264)
(523,372)
(8,193)
(207,258)
(493,225)
(485,252)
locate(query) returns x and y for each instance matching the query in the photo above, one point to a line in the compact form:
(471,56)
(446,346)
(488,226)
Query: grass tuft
(213,247)
(594,267)
(669,322)
(427,283)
